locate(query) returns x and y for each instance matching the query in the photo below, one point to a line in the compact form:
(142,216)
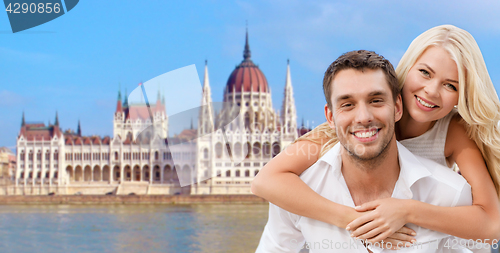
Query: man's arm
(280,233)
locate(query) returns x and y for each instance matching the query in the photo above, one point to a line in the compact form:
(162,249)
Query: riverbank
(130,199)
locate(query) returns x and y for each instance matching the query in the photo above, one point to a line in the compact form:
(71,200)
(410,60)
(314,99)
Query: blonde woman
(442,69)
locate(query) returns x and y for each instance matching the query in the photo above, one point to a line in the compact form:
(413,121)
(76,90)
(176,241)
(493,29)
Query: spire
(163,99)
(246,53)
(23,122)
(57,120)
(125,102)
(119,92)
(158,97)
(206,118)
(288,111)
(79,129)
(119,102)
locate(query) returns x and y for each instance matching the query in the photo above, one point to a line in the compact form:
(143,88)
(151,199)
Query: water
(132,228)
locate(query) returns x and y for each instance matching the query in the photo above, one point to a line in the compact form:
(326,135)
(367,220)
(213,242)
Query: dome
(247,76)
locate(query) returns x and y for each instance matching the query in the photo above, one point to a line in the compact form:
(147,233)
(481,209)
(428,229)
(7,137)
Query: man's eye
(377,101)
(347,105)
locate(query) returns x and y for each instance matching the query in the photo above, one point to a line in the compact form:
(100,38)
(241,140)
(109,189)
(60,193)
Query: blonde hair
(478,103)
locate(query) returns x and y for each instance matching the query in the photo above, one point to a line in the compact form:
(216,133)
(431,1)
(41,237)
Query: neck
(407,127)
(372,179)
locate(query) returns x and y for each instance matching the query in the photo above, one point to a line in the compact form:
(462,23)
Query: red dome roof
(247,76)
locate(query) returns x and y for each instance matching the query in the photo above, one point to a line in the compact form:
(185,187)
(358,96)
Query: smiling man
(363,104)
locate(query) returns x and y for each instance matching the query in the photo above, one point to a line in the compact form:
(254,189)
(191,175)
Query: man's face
(363,112)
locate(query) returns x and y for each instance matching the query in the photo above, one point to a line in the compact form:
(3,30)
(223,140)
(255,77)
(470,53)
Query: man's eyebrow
(343,97)
(377,93)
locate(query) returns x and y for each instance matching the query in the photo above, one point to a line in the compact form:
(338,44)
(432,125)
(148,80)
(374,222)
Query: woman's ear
(329,117)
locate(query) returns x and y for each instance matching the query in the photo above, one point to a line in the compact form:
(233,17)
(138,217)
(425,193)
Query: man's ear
(398,108)
(329,117)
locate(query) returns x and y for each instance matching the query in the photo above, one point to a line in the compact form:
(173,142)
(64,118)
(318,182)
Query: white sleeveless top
(431,144)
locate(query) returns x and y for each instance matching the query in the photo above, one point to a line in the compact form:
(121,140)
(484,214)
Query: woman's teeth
(425,104)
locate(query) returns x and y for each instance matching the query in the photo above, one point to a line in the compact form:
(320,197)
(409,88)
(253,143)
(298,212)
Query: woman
(442,69)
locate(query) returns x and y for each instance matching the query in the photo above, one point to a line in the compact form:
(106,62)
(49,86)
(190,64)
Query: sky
(76,64)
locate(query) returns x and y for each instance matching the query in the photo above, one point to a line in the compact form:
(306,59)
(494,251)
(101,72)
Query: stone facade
(221,156)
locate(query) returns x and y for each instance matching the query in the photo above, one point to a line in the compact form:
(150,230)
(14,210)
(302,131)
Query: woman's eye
(424,72)
(451,86)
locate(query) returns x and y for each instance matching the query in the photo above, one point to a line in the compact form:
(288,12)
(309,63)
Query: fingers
(402,237)
(377,236)
(364,228)
(367,206)
(355,224)
(406,230)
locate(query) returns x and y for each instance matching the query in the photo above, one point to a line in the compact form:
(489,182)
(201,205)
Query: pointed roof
(206,81)
(23,122)
(79,129)
(125,101)
(247,76)
(57,120)
(247,54)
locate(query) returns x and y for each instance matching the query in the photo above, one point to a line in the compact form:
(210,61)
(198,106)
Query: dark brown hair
(359,60)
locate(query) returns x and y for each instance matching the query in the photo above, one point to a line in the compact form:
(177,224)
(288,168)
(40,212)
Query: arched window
(256,172)
(116,155)
(237,149)
(276,149)
(156,155)
(256,148)
(219,173)
(237,173)
(228,173)
(247,173)
(205,153)
(23,155)
(47,155)
(266,148)
(218,150)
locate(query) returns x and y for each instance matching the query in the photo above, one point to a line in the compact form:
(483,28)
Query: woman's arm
(279,183)
(482,219)
(479,221)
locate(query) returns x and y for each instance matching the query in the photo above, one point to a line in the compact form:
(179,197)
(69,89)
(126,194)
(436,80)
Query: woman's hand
(386,218)
(402,238)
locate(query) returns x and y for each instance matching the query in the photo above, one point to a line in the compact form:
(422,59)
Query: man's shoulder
(328,163)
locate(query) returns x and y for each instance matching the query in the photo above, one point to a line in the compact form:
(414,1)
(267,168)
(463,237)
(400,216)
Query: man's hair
(359,60)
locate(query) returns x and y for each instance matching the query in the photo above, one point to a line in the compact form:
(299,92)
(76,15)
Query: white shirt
(419,178)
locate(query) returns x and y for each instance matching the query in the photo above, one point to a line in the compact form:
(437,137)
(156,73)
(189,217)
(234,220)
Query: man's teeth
(365,134)
(425,104)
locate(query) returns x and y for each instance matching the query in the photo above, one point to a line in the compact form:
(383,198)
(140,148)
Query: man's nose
(363,114)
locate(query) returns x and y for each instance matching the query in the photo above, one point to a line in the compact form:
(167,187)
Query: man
(363,104)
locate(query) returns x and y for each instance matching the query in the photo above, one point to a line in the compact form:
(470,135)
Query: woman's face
(431,87)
